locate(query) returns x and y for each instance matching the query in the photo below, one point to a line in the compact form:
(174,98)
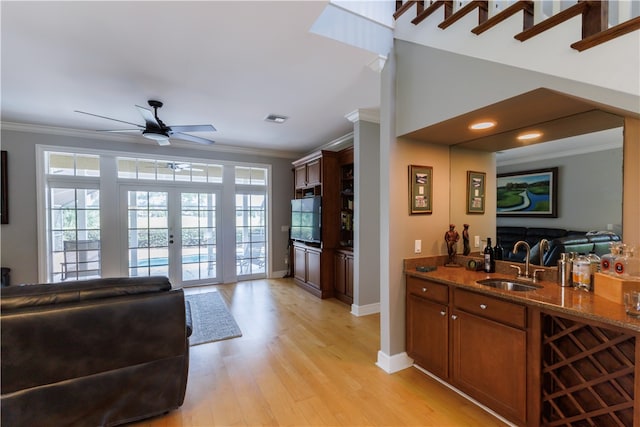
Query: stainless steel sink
(509,285)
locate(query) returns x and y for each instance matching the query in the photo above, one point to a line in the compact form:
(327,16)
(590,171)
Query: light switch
(418,246)
(476,241)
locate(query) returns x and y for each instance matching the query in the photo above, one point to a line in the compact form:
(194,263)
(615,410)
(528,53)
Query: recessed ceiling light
(529,135)
(276,118)
(482,125)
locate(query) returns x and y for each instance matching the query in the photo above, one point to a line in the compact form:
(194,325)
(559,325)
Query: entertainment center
(322,224)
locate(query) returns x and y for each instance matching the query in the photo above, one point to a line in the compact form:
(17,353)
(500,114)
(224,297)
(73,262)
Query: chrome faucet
(526,258)
(526,274)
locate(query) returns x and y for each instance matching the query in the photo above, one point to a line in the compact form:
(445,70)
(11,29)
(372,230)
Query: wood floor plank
(302,361)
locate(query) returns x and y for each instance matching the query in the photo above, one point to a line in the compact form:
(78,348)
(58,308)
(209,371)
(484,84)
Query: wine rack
(587,374)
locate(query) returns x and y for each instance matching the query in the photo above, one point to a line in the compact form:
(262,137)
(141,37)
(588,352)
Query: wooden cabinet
(311,269)
(346,197)
(489,355)
(428,325)
(308,174)
(475,342)
(313,262)
(343,281)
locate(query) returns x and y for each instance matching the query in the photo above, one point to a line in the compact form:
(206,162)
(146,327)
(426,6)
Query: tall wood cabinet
(326,268)
(313,263)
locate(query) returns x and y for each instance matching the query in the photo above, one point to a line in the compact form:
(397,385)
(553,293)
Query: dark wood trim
(534,362)
(448,10)
(558,18)
(595,18)
(406,6)
(606,35)
(482,6)
(527,21)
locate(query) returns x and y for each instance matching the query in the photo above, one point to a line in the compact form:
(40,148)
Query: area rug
(211,319)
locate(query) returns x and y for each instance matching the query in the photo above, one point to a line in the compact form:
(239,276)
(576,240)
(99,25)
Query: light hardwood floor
(302,361)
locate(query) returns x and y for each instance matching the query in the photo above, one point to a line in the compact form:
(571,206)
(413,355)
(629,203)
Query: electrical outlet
(476,241)
(418,246)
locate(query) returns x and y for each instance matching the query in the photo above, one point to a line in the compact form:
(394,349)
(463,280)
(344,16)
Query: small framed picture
(476,192)
(420,189)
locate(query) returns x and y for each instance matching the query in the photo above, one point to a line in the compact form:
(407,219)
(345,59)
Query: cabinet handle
(483,306)
(454,317)
(443,313)
(424,289)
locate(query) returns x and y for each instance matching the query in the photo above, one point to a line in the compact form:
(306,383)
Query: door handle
(483,306)
(443,313)
(454,317)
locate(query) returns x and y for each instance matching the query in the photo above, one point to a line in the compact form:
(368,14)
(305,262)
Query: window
(250,234)
(74,233)
(164,170)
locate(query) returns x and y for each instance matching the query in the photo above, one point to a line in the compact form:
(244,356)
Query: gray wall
(19,243)
(366,138)
(589,192)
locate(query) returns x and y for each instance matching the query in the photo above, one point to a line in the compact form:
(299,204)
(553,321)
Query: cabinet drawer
(491,308)
(426,289)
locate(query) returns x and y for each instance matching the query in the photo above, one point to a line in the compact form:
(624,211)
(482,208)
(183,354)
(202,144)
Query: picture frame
(476,191)
(4,189)
(420,189)
(532,193)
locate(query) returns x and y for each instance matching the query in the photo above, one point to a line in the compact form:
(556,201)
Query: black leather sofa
(560,240)
(98,352)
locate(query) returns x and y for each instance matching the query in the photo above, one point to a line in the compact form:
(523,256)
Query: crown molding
(338,143)
(364,114)
(135,139)
(528,158)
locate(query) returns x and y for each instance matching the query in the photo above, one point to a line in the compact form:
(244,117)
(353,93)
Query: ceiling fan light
(160,137)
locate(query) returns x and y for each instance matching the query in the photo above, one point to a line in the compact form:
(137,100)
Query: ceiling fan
(156,130)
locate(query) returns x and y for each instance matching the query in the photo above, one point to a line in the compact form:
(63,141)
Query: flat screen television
(306,219)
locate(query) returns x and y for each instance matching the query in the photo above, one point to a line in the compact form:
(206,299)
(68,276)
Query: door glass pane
(199,245)
(148,233)
(74,233)
(250,234)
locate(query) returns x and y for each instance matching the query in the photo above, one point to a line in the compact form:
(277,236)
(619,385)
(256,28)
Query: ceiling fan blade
(108,118)
(193,128)
(148,117)
(187,137)
(118,130)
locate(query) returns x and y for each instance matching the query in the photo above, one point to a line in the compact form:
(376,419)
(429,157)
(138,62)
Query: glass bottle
(498,252)
(607,260)
(619,267)
(489,258)
(594,264)
(582,273)
(627,264)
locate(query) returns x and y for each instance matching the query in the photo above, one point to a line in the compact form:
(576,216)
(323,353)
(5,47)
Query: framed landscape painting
(532,193)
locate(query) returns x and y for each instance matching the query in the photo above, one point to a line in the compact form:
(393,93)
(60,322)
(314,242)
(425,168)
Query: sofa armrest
(188,320)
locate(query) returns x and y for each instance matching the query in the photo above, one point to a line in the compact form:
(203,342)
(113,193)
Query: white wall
(19,245)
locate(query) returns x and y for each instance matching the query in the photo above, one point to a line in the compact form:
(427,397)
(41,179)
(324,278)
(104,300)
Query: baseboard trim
(466,396)
(395,363)
(278,274)
(365,310)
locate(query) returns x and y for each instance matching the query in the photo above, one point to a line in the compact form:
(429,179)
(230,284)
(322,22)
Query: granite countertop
(550,297)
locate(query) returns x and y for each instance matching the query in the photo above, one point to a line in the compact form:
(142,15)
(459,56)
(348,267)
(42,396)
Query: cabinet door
(349,276)
(428,335)
(340,276)
(313,268)
(314,173)
(300,176)
(490,364)
(300,263)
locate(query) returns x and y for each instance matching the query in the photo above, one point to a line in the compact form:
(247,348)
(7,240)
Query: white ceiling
(225,63)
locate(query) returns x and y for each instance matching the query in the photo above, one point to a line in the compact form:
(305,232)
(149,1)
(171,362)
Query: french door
(171,232)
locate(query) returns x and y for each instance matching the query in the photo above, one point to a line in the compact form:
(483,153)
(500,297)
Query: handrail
(558,18)
(609,34)
(483,13)
(527,20)
(406,6)
(448,10)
